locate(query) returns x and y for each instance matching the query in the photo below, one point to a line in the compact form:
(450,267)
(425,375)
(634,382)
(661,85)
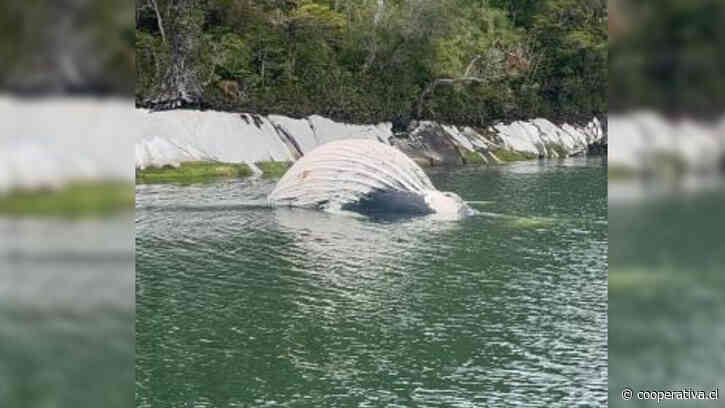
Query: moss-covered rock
(621,173)
(666,165)
(192,172)
(558,148)
(506,155)
(273,169)
(470,157)
(73,200)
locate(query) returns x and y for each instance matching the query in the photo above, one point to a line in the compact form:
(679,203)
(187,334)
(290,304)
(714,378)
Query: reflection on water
(240,304)
(666,289)
(66,312)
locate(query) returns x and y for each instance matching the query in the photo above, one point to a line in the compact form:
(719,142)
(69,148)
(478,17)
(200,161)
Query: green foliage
(233,57)
(668,55)
(149,54)
(84,45)
(351,61)
(318,16)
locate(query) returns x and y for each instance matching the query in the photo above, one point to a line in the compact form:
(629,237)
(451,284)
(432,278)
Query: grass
(73,200)
(506,155)
(192,172)
(273,169)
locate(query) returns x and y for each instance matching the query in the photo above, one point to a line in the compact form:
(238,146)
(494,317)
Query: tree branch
(471,65)
(159,21)
(374,42)
(449,81)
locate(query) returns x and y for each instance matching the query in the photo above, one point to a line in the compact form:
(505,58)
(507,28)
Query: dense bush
(376,60)
(668,55)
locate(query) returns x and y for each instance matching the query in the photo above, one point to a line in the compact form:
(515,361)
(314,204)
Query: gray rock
(430,145)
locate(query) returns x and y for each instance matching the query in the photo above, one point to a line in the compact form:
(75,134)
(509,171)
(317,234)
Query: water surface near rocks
(241,305)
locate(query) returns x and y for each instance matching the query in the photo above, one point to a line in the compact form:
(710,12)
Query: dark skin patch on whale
(390,202)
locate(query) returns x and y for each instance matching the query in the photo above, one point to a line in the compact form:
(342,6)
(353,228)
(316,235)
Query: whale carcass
(364,176)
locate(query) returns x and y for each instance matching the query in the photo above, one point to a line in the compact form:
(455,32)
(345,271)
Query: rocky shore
(171,138)
(649,144)
(51,143)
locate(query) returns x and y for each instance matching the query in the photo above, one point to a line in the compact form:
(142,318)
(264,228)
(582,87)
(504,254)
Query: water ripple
(288,307)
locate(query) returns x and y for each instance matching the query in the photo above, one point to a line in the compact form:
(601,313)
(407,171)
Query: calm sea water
(667,291)
(66,312)
(241,306)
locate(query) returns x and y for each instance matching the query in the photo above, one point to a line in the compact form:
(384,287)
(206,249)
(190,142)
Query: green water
(246,306)
(66,312)
(667,293)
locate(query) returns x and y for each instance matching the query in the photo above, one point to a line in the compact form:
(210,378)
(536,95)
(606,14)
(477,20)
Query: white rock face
(641,139)
(240,138)
(48,142)
(244,138)
(51,141)
(459,137)
(155,151)
(327,130)
(231,138)
(299,129)
(515,137)
(538,135)
(479,142)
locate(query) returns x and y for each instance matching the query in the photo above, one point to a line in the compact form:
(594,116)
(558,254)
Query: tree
(373,60)
(179,84)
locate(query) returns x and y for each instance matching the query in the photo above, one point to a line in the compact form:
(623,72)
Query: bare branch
(450,81)
(373,41)
(159,21)
(471,65)
(379,12)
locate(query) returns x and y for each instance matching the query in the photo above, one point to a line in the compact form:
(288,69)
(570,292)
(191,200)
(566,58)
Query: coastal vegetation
(454,61)
(200,172)
(667,55)
(273,169)
(73,200)
(506,155)
(192,172)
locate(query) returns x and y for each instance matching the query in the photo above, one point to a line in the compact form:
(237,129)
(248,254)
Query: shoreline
(175,143)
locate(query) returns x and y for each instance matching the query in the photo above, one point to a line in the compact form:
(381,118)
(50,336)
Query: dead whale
(364,176)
